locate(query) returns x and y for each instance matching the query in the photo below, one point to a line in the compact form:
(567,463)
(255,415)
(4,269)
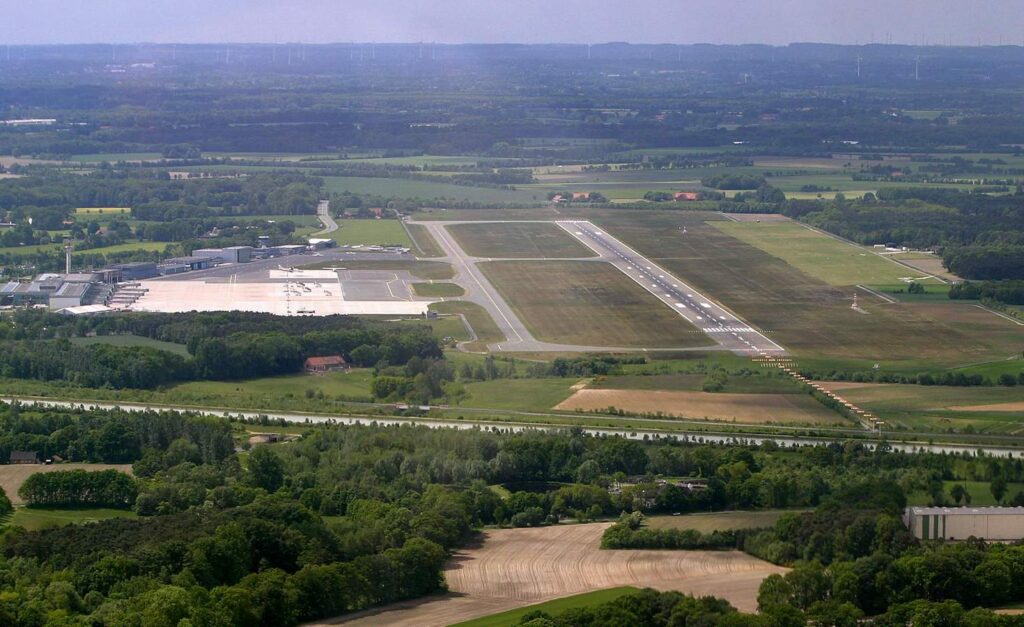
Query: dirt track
(517,567)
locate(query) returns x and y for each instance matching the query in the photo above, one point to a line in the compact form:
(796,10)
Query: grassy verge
(424,241)
(557,606)
(487,332)
(718,521)
(438,290)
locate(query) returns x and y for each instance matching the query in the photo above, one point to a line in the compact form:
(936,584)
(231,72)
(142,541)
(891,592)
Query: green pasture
(133,340)
(35,519)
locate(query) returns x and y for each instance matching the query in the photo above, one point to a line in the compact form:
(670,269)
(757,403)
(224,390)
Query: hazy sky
(527,21)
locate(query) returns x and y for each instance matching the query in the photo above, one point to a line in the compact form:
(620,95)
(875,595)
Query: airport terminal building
(960,523)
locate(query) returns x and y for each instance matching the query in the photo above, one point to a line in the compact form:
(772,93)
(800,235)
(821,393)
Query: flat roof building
(960,523)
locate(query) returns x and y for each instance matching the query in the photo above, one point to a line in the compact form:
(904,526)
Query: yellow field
(97,211)
(746,408)
(517,567)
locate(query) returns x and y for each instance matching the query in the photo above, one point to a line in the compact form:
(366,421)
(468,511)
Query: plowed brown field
(748,408)
(517,567)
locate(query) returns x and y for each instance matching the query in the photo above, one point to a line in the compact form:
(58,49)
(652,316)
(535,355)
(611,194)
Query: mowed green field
(987,409)
(133,340)
(833,261)
(805,314)
(439,290)
(266,392)
(34,519)
(370,232)
(519,394)
(528,240)
(553,608)
(589,303)
(430,270)
(424,241)
(718,521)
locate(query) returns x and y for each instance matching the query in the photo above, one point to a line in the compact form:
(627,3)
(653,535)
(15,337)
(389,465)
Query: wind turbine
(859,59)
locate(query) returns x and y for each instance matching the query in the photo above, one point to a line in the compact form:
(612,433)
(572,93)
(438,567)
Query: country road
(323,211)
(909,446)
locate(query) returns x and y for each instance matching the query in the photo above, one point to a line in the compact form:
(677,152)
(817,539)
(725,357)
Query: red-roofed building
(328,363)
(688,196)
(581,196)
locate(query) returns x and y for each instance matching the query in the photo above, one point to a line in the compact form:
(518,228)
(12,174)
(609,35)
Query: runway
(721,325)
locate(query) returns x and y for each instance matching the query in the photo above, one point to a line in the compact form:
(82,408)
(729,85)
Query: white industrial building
(960,523)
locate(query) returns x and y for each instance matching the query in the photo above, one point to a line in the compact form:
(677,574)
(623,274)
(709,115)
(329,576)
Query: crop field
(994,409)
(805,314)
(370,232)
(428,270)
(533,240)
(588,303)
(513,568)
(718,521)
(407,188)
(749,384)
(552,608)
(103,211)
(823,257)
(13,475)
(133,340)
(438,290)
(719,406)
(34,519)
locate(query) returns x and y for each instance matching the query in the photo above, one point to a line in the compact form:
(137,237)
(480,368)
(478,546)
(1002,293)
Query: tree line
(79,488)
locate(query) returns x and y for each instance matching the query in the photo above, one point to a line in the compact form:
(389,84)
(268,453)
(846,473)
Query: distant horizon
(960,23)
(507,43)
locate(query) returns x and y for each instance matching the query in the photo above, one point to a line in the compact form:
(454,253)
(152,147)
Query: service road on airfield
(718,323)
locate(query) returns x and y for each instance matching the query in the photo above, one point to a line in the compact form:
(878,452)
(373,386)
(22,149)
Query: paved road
(480,291)
(718,323)
(323,211)
(909,446)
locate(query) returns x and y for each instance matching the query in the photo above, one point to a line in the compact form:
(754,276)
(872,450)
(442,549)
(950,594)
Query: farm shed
(960,523)
(329,363)
(24,457)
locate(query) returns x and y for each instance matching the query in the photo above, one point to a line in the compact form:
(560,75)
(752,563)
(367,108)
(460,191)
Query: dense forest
(222,345)
(344,518)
